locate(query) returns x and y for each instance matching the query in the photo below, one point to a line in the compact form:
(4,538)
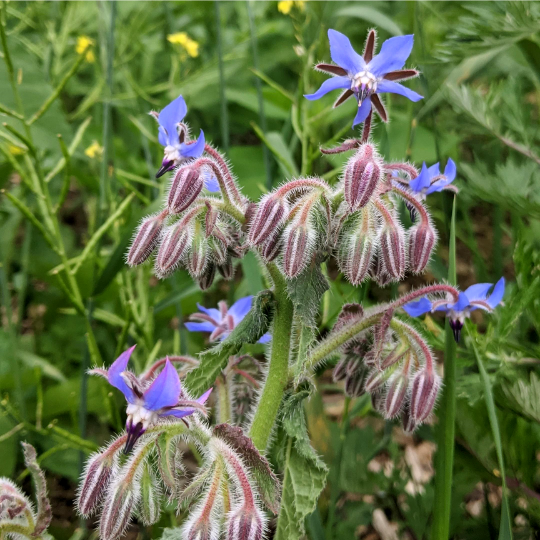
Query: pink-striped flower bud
(149,508)
(376,380)
(202,529)
(197,258)
(145,240)
(378,272)
(246,523)
(272,247)
(396,394)
(424,391)
(362,174)
(207,278)
(226,269)
(407,421)
(392,250)
(96,478)
(356,256)
(422,239)
(173,245)
(185,188)
(378,400)
(117,510)
(298,248)
(340,370)
(218,249)
(270,216)
(355,382)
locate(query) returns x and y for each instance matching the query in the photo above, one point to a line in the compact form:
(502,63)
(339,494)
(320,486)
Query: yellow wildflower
(15,150)
(188,44)
(285,6)
(83,42)
(94,150)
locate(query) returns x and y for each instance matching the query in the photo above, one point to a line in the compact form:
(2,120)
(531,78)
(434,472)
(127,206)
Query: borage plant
(206,224)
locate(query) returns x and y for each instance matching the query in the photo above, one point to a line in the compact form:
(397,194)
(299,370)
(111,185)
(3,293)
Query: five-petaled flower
(172,135)
(222,321)
(476,296)
(431,180)
(367,75)
(149,400)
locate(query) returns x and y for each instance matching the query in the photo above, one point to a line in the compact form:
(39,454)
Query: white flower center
(171,153)
(136,413)
(364,82)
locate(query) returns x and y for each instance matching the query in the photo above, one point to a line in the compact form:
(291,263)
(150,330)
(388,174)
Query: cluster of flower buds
(18,517)
(390,360)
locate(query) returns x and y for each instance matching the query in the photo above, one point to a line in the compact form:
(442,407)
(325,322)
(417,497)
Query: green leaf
(372,15)
(252,327)
(304,473)
(275,143)
(33,360)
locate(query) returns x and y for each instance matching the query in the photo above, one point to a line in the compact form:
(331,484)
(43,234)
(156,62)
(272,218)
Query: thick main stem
(278,370)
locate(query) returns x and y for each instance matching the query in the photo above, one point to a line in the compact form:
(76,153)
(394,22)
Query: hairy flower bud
(376,379)
(378,400)
(378,272)
(218,249)
(226,269)
(150,500)
(207,278)
(361,177)
(392,250)
(396,394)
(424,391)
(270,216)
(355,382)
(356,256)
(407,421)
(173,245)
(298,242)
(145,240)
(198,256)
(117,510)
(340,370)
(245,524)
(185,188)
(422,239)
(272,247)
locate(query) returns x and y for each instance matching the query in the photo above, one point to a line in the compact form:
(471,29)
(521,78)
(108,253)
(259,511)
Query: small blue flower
(431,180)
(221,322)
(476,296)
(366,76)
(148,401)
(172,135)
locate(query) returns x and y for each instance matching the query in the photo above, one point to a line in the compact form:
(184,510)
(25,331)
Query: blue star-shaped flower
(475,297)
(431,180)
(221,322)
(367,75)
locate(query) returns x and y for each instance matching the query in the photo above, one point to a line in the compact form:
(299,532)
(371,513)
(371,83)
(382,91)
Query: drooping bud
(245,524)
(272,247)
(218,249)
(117,510)
(185,188)
(407,421)
(340,370)
(422,239)
(150,500)
(355,382)
(145,239)
(376,379)
(226,269)
(378,400)
(378,271)
(298,248)
(173,246)
(396,394)
(198,256)
(270,216)
(392,250)
(362,174)
(96,477)
(424,391)
(207,278)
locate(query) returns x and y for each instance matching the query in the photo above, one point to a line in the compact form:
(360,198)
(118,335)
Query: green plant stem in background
(505,530)
(446,413)
(260,98)
(222,81)
(278,369)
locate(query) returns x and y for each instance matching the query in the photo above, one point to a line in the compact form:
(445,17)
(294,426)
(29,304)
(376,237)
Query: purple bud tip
(456,326)
(133,434)
(166,166)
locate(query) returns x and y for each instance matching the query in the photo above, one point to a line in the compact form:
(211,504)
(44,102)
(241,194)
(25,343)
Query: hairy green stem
(278,370)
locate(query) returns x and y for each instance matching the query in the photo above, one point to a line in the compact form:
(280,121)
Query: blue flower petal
(497,295)
(422,181)
(363,112)
(462,303)
(343,54)
(415,309)
(396,88)
(202,400)
(327,86)
(211,184)
(450,170)
(114,375)
(178,413)
(164,391)
(478,291)
(193,150)
(211,312)
(162,136)
(393,55)
(439,185)
(266,338)
(240,308)
(200,326)
(171,115)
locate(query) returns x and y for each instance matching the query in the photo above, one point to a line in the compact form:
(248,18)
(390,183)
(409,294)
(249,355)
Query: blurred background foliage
(242,69)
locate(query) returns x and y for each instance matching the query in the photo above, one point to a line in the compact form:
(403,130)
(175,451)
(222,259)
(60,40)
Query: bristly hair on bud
(145,239)
(174,242)
(392,250)
(185,188)
(299,243)
(245,523)
(267,221)
(424,392)
(422,239)
(361,177)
